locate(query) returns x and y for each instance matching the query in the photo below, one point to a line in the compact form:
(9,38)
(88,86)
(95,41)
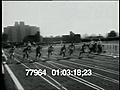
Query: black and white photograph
(60,45)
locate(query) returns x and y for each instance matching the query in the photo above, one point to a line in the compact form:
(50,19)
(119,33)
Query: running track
(105,72)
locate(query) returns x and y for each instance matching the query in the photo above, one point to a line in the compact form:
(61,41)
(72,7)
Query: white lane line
(94,74)
(99,75)
(53,79)
(43,66)
(83,81)
(87,83)
(100,68)
(17,83)
(95,86)
(40,76)
(96,67)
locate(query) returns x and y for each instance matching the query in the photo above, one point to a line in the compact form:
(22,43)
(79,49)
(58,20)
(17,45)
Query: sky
(61,17)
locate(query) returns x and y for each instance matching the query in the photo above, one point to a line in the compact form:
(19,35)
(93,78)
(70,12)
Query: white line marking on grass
(94,86)
(84,81)
(94,74)
(88,83)
(43,65)
(17,83)
(50,83)
(100,68)
(53,79)
(97,67)
(40,76)
(42,59)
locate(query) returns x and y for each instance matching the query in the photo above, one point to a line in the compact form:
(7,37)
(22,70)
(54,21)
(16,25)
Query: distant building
(19,31)
(33,38)
(94,37)
(77,38)
(52,39)
(65,39)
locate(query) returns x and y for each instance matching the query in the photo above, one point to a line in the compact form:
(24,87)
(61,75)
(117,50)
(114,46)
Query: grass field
(105,72)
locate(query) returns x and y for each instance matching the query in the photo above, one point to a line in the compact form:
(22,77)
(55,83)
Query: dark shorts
(71,51)
(50,51)
(38,53)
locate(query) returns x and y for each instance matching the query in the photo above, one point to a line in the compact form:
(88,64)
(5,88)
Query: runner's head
(64,45)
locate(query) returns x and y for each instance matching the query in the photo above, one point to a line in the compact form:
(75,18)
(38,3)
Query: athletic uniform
(95,47)
(62,51)
(38,53)
(12,52)
(91,46)
(50,50)
(99,45)
(29,47)
(82,49)
(71,49)
(25,52)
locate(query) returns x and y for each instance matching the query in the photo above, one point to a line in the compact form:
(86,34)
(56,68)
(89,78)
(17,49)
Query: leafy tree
(112,34)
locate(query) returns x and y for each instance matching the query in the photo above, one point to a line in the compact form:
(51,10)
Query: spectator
(4,58)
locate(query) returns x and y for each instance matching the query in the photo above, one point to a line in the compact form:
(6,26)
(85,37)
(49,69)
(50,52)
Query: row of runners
(92,47)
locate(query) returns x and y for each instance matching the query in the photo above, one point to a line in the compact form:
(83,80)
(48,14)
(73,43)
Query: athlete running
(95,49)
(38,51)
(29,46)
(91,46)
(50,50)
(71,49)
(99,46)
(25,53)
(82,50)
(63,50)
(12,52)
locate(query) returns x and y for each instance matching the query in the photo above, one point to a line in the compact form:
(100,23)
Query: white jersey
(29,44)
(99,43)
(92,42)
